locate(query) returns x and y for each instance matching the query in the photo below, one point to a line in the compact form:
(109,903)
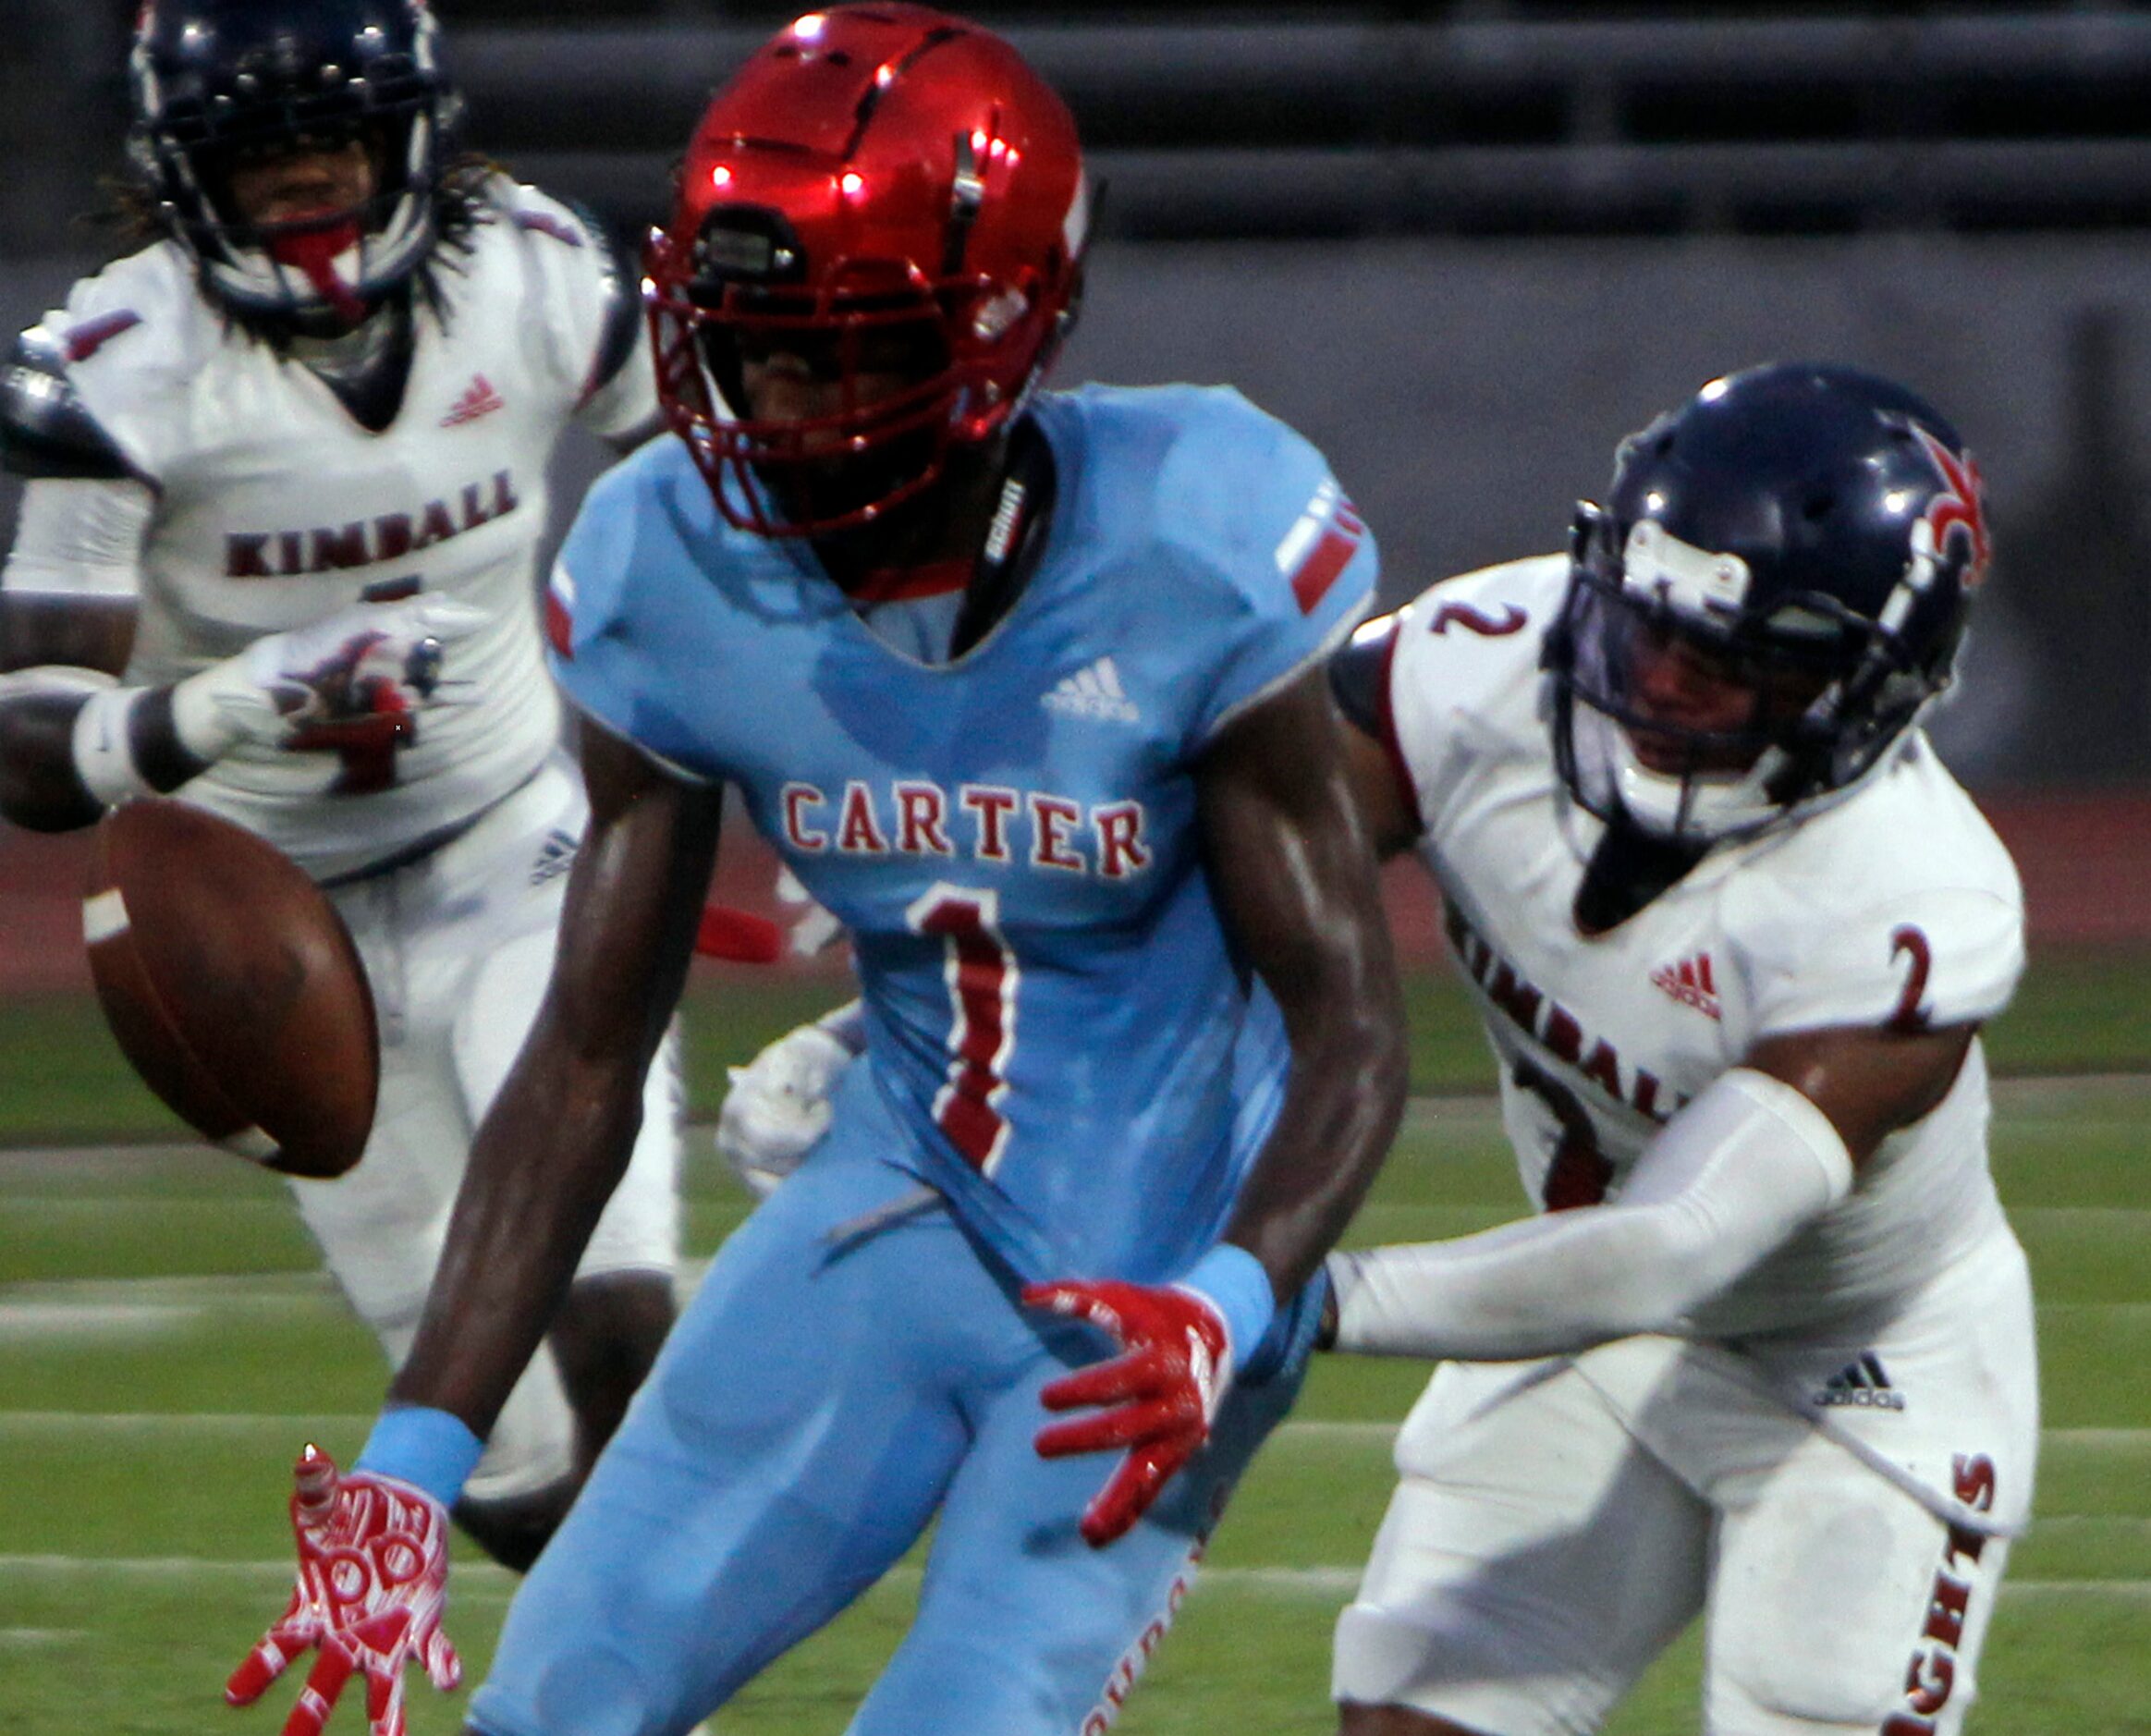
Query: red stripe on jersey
(1347,519)
(86,339)
(1331,555)
(559,624)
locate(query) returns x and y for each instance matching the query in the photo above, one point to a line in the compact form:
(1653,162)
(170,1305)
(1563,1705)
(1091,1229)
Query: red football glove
(1164,1389)
(372,1576)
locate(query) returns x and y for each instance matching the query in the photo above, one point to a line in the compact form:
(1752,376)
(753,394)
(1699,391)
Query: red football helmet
(882,190)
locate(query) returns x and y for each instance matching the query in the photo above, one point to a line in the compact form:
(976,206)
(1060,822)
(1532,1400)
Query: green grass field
(165,1343)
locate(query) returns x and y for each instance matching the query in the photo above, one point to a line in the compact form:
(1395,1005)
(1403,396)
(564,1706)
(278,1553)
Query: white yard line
(159,1422)
(2098,1218)
(2037,1089)
(2095,1437)
(2104,1525)
(1308,1430)
(220,1204)
(70,1319)
(200,1290)
(484,1577)
(2024,1099)
(22,1320)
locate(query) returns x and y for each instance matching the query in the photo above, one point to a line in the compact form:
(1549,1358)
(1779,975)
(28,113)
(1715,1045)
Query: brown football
(232,984)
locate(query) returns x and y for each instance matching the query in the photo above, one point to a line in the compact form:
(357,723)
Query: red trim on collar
(899,584)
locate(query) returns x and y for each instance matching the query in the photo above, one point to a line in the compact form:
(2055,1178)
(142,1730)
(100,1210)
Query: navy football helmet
(211,79)
(1773,593)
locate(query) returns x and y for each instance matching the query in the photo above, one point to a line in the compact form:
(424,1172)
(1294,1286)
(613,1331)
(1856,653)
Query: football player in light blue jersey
(1028,690)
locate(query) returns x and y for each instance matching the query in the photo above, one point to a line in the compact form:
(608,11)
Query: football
(232,986)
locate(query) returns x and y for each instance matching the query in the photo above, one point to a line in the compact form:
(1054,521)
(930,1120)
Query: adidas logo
(1093,693)
(478,399)
(1862,1383)
(1689,983)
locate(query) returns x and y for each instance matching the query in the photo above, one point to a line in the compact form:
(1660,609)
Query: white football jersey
(274,505)
(1894,904)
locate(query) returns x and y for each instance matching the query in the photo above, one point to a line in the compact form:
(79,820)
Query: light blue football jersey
(1012,837)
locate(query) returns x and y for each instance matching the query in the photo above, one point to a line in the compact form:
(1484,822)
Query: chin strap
(1014,541)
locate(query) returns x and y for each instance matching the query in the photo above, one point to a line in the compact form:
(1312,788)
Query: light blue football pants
(818,1402)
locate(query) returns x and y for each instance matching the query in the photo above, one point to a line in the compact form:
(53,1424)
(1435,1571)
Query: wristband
(432,1450)
(1235,1283)
(104,746)
(202,708)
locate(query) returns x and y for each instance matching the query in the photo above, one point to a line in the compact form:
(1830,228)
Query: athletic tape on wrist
(430,1450)
(1234,1282)
(104,746)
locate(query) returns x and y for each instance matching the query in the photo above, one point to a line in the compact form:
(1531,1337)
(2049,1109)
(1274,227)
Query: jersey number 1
(982,976)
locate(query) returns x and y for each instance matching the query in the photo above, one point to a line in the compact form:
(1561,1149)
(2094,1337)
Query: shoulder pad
(618,294)
(1359,676)
(623,303)
(45,429)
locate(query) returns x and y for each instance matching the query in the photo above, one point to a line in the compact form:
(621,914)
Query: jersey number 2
(982,976)
(1477,621)
(1912,1012)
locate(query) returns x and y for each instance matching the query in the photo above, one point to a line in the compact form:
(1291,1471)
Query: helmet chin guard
(213,78)
(1692,806)
(1811,536)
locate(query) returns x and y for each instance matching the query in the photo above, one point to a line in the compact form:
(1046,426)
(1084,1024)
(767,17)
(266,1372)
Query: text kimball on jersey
(366,542)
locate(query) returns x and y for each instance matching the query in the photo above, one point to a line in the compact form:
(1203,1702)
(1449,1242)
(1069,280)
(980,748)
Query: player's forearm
(65,725)
(1734,1176)
(559,1134)
(67,754)
(1544,1287)
(552,1149)
(1339,1116)
(40,787)
(1292,866)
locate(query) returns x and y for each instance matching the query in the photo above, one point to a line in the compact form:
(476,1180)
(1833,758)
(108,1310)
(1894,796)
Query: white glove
(813,929)
(778,1106)
(352,682)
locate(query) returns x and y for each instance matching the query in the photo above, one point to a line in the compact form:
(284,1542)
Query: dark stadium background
(1465,248)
